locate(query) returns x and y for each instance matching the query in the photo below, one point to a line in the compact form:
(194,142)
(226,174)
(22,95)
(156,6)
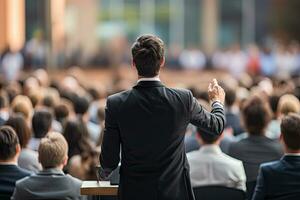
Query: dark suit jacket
(253,151)
(48,184)
(148,123)
(9,174)
(279,179)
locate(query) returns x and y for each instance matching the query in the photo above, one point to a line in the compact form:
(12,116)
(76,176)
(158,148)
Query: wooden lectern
(101,188)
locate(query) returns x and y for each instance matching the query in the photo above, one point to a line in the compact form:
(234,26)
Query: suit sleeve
(209,122)
(259,192)
(110,148)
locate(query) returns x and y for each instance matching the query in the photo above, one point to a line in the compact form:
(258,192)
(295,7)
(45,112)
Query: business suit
(48,184)
(279,179)
(148,123)
(253,151)
(210,166)
(9,174)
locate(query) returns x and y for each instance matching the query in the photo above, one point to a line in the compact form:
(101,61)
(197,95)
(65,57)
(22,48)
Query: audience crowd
(51,133)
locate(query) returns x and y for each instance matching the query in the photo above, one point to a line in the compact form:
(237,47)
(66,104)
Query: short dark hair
(18,123)
(41,123)
(3,100)
(290,129)
(61,112)
(230,97)
(206,137)
(147,54)
(81,105)
(256,115)
(8,143)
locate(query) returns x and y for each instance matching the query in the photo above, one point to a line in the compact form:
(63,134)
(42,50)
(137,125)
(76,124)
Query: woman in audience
(82,156)
(22,104)
(28,158)
(288,103)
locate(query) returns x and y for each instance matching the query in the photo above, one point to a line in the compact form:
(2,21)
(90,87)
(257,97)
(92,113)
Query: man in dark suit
(281,179)
(147,123)
(9,153)
(51,182)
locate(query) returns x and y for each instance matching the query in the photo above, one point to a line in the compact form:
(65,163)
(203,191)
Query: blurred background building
(59,33)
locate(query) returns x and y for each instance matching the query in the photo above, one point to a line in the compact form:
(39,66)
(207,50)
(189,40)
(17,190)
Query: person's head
(288,103)
(273,100)
(148,55)
(53,151)
(41,123)
(206,138)
(22,104)
(256,114)
(290,132)
(9,145)
(76,137)
(61,112)
(18,123)
(81,105)
(230,97)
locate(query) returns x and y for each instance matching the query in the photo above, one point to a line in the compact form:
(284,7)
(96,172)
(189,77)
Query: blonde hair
(288,103)
(53,150)
(22,104)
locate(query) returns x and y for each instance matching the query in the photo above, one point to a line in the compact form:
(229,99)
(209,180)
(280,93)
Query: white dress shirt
(210,166)
(155,78)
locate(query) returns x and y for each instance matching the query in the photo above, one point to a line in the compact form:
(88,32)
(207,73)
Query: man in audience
(9,153)
(281,179)
(51,182)
(256,148)
(209,166)
(41,125)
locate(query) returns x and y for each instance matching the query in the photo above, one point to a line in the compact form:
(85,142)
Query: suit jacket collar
(291,158)
(51,171)
(148,84)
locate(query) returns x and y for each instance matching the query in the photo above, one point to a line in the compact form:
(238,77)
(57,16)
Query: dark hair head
(147,54)
(61,112)
(81,105)
(41,123)
(18,123)
(274,99)
(230,97)
(256,115)
(48,101)
(77,138)
(206,137)
(8,143)
(290,129)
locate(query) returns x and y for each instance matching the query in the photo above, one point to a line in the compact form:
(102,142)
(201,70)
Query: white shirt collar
(155,78)
(210,148)
(292,154)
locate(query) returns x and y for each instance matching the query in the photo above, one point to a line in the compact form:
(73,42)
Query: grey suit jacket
(48,184)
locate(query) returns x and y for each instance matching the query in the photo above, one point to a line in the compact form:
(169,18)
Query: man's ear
(65,162)
(133,63)
(162,63)
(18,149)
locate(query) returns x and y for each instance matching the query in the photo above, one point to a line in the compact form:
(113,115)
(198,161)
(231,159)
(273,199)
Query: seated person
(9,153)
(51,182)
(41,125)
(209,166)
(282,178)
(256,148)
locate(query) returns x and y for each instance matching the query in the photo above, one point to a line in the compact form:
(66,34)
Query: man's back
(253,151)
(209,166)
(9,174)
(279,179)
(150,121)
(48,184)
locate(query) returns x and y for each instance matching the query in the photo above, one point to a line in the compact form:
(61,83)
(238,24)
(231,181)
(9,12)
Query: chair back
(218,192)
